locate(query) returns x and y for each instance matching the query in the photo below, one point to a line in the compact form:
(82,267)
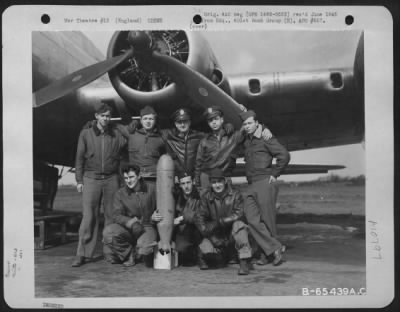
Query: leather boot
(244,268)
(148,260)
(262,260)
(200,261)
(250,264)
(78,261)
(131,260)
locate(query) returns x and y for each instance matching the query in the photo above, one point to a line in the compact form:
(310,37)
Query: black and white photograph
(184,163)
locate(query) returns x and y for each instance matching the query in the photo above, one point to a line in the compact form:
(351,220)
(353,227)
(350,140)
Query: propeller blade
(77,79)
(200,89)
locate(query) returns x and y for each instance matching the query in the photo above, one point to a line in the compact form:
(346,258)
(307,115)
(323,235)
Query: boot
(201,262)
(78,261)
(131,260)
(262,260)
(250,264)
(148,260)
(278,256)
(244,268)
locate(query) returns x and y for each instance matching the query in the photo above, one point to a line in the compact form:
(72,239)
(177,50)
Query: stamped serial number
(335,291)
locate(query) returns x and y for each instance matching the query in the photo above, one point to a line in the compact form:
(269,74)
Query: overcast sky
(258,52)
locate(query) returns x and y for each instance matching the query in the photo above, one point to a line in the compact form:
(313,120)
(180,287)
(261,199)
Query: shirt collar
(257,133)
(140,187)
(107,130)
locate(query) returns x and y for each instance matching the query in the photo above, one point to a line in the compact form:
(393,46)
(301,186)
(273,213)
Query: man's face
(250,125)
(131,179)
(103,119)
(148,121)
(217,184)
(186,185)
(182,125)
(215,123)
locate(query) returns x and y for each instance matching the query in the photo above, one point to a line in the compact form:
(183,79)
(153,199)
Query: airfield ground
(322,226)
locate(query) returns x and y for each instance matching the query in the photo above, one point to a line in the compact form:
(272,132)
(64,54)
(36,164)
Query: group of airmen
(215,223)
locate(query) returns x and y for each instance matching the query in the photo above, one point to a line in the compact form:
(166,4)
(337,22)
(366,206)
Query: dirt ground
(326,248)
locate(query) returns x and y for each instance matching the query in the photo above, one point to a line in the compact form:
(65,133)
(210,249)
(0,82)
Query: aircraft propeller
(76,80)
(139,42)
(200,89)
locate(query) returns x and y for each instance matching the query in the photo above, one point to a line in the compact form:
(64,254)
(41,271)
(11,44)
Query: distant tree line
(358,180)
(334,178)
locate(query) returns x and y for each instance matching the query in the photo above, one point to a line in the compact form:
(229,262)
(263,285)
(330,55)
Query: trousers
(94,191)
(186,237)
(121,242)
(239,236)
(257,228)
(266,196)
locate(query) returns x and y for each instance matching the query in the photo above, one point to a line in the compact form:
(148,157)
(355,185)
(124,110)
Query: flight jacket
(145,149)
(259,155)
(139,202)
(98,154)
(216,214)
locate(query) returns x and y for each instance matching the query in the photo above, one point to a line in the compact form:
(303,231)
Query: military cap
(216,173)
(247,114)
(181,114)
(183,174)
(103,107)
(213,111)
(147,110)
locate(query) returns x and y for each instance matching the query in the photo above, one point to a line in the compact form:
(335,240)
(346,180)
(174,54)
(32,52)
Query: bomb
(165,202)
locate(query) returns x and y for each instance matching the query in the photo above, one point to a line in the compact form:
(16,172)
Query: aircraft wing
(239,170)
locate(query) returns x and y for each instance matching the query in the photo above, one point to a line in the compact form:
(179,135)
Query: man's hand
(79,187)
(133,126)
(156,216)
(89,124)
(229,129)
(178,220)
(131,222)
(272,179)
(266,134)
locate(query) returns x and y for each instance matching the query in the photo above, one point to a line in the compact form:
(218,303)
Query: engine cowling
(140,81)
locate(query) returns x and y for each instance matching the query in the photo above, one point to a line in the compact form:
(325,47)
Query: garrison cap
(247,114)
(216,173)
(181,114)
(213,111)
(183,174)
(147,110)
(102,108)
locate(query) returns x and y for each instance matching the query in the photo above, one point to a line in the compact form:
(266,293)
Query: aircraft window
(336,80)
(254,86)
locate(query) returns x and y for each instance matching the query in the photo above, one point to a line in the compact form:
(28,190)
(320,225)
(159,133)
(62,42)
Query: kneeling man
(132,234)
(186,235)
(220,220)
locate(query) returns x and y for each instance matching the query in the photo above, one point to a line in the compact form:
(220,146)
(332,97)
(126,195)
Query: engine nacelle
(140,81)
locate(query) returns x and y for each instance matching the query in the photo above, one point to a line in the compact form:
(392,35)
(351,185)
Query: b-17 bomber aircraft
(169,69)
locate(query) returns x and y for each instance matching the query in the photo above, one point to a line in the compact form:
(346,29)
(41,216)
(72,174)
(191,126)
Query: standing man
(186,235)
(145,145)
(97,163)
(260,175)
(132,233)
(220,221)
(210,146)
(182,142)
